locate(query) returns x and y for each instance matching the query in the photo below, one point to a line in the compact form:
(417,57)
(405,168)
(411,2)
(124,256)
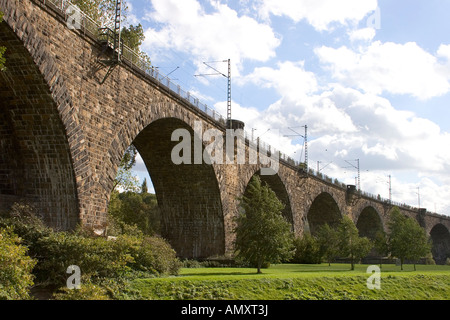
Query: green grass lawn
(295,281)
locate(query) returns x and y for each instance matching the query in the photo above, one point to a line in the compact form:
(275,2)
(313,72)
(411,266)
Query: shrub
(15,267)
(100,258)
(97,257)
(103,262)
(188,263)
(27,225)
(87,291)
(154,254)
(429,259)
(307,250)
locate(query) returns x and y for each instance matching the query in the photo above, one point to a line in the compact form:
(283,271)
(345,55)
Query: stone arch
(188,195)
(440,237)
(278,186)
(323,210)
(39,138)
(369,222)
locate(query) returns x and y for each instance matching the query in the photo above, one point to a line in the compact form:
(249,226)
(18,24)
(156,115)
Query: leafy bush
(27,225)
(15,266)
(429,259)
(154,254)
(100,259)
(96,257)
(307,250)
(87,291)
(189,263)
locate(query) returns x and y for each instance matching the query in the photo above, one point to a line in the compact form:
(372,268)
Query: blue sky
(371,79)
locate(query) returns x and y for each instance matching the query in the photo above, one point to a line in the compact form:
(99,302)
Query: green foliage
(157,256)
(307,249)
(133,36)
(87,291)
(350,244)
(102,11)
(407,240)
(262,234)
(15,267)
(144,188)
(128,209)
(381,243)
(27,225)
(328,240)
(100,259)
(96,257)
(125,179)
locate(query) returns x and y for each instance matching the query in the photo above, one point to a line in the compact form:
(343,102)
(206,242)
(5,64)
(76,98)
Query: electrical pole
(229,92)
(117,29)
(390,190)
(218,73)
(306,143)
(357,168)
(116,58)
(418,195)
(253,130)
(318,165)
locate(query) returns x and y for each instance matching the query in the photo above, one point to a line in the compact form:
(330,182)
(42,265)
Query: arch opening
(369,223)
(323,210)
(188,195)
(440,237)
(35,158)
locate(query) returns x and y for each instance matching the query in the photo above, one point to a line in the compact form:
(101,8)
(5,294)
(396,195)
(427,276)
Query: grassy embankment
(294,281)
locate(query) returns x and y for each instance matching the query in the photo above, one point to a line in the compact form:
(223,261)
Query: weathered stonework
(63,134)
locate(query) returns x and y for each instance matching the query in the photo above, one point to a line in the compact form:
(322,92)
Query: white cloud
(222,34)
(388,67)
(365,34)
(321,14)
(289,79)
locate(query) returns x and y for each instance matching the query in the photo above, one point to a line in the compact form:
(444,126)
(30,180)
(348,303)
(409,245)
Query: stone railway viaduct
(63,134)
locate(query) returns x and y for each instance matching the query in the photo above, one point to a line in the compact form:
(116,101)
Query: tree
(420,245)
(133,36)
(349,242)
(125,179)
(2,49)
(327,239)
(102,11)
(307,249)
(144,188)
(406,240)
(133,209)
(381,244)
(262,233)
